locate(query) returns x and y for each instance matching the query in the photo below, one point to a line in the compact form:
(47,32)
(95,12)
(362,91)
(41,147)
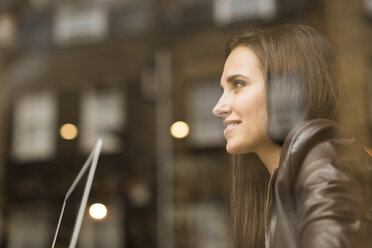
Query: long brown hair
(301,83)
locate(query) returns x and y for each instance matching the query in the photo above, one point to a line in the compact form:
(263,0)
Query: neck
(270,156)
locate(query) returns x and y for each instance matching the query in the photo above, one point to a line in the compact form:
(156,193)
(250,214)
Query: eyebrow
(231,78)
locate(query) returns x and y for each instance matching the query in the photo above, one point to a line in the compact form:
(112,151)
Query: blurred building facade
(125,70)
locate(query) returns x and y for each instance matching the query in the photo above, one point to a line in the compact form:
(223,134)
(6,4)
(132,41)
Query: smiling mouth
(229,126)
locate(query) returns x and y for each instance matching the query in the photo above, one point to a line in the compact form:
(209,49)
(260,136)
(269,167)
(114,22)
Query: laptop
(75,202)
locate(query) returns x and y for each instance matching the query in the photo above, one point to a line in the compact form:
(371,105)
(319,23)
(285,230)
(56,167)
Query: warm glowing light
(369,151)
(98,211)
(69,131)
(180,129)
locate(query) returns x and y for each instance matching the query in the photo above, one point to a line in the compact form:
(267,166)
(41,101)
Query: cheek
(254,108)
(262,116)
(262,124)
(262,112)
(255,115)
(253,133)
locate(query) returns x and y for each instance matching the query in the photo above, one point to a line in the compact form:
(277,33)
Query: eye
(238,84)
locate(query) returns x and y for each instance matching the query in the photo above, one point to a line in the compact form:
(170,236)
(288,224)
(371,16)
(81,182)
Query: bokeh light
(69,131)
(98,211)
(179,129)
(369,151)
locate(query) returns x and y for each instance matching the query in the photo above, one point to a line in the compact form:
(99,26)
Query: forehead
(242,60)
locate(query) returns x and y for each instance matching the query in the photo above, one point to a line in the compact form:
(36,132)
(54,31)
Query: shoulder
(324,173)
(316,140)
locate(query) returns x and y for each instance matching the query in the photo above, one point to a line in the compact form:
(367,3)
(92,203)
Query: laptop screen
(75,203)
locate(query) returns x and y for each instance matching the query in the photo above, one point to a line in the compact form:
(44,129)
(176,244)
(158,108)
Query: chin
(234,150)
(239,146)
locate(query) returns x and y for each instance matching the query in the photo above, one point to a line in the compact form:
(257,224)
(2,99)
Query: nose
(222,108)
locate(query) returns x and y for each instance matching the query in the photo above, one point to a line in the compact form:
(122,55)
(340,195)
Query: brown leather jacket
(320,195)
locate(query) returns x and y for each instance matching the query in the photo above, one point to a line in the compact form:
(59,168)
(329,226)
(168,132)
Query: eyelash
(238,84)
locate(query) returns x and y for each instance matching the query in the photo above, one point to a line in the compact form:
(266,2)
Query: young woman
(298,178)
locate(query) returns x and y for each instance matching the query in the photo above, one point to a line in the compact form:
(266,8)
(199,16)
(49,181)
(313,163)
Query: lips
(230,125)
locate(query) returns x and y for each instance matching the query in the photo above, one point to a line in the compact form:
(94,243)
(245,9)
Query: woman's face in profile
(243,103)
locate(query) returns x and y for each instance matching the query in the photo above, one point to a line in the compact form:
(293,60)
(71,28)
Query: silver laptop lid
(73,209)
